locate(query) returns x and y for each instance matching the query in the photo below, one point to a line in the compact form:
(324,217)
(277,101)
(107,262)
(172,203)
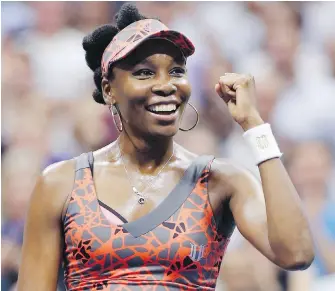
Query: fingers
(242,84)
(236,89)
(234,81)
(225,92)
(218,90)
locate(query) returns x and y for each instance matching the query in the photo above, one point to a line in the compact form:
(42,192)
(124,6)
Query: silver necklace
(141,198)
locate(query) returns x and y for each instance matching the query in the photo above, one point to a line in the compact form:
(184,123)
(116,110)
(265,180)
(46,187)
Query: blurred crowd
(48,113)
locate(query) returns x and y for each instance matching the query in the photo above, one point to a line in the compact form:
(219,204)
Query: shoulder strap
(194,172)
(82,162)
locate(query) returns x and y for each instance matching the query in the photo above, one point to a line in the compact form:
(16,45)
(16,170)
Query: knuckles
(247,80)
(239,80)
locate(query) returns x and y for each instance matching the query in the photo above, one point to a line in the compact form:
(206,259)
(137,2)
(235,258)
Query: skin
(282,236)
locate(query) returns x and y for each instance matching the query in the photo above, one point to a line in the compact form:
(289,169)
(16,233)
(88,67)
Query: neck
(148,153)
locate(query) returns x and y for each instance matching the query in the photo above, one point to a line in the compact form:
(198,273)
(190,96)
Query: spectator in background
(83,15)
(245,269)
(88,122)
(282,38)
(330,49)
(195,140)
(20,98)
(18,180)
(65,72)
(310,167)
(61,77)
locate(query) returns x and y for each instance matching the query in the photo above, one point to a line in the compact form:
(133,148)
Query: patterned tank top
(176,246)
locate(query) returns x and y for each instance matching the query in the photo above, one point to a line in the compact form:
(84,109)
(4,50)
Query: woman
(143,213)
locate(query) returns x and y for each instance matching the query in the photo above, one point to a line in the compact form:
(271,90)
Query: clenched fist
(238,91)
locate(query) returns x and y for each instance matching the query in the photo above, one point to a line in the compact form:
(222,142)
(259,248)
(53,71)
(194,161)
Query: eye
(178,71)
(143,73)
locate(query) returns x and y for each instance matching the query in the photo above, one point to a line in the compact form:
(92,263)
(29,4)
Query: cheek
(132,95)
(184,88)
(132,90)
(128,89)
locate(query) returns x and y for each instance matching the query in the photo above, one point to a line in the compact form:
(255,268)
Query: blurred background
(48,113)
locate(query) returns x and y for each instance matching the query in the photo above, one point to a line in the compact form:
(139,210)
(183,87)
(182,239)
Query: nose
(164,89)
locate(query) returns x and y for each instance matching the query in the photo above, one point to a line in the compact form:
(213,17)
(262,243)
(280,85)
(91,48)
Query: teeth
(163,108)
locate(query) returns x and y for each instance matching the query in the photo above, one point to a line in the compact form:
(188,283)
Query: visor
(134,34)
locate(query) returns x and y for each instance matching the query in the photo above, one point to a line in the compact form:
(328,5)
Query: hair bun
(97,93)
(97,96)
(95,43)
(127,14)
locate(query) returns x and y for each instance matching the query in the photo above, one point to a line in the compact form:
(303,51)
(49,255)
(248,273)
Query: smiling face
(150,88)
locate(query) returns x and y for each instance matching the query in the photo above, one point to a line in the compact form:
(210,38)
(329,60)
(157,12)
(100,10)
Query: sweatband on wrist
(262,143)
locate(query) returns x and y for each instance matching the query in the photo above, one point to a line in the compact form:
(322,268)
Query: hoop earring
(114,111)
(196,123)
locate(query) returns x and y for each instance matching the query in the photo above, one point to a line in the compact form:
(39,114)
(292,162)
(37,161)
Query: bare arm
(278,228)
(42,245)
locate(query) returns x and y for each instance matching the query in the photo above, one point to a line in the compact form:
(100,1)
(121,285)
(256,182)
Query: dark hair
(96,42)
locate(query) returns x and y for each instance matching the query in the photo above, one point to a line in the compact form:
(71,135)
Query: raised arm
(42,245)
(278,227)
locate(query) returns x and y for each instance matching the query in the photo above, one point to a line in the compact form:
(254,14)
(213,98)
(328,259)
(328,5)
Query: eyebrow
(130,63)
(180,60)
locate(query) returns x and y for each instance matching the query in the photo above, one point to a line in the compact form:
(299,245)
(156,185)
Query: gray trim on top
(172,202)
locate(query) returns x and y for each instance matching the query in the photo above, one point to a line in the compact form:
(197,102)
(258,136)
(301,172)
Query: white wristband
(262,142)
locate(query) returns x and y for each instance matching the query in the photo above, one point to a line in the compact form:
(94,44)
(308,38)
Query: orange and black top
(177,246)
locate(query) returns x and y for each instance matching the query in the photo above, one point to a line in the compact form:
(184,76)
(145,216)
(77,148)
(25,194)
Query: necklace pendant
(141,200)
(136,191)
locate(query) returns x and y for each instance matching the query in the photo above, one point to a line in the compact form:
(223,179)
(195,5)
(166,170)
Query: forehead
(153,50)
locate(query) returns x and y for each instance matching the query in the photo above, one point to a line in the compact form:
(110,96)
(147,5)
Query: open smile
(163,109)
(164,112)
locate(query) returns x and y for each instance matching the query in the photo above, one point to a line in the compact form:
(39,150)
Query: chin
(164,131)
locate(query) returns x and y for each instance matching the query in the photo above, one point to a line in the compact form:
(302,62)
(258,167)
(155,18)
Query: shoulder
(228,171)
(220,169)
(231,177)
(58,173)
(53,186)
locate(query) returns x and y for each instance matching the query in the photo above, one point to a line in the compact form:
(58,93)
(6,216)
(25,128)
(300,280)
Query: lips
(164,112)
(163,108)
